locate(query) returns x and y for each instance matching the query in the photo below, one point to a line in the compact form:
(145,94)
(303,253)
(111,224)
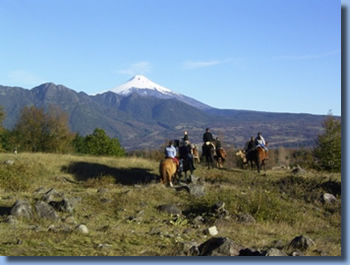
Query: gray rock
(274,252)
(196,190)
(246,218)
(82,229)
(219,246)
(301,243)
(66,205)
(22,209)
(169,209)
(328,198)
(44,210)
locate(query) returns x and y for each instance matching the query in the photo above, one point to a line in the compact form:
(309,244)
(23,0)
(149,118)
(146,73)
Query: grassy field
(117,200)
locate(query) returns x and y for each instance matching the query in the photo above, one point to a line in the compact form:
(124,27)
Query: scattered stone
(299,171)
(22,209)
(196,190)
(328,198)
(45,210)
(301,243)
(170,209)
(219,246)
(9,162)
(274,252)
(69,220)
(82,229)
(63,206)
(246,218)
(251,252)
(102,190)
(50,195)
(211,231)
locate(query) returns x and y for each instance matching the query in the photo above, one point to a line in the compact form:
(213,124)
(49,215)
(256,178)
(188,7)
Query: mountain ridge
(147,122)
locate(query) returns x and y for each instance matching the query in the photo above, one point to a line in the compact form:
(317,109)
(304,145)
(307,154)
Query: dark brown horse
(220,157)
(208,152)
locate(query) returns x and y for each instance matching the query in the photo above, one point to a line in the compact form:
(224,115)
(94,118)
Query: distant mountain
(141,85)
(144,115)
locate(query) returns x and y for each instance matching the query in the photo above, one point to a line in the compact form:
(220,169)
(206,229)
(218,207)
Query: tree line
(40,130)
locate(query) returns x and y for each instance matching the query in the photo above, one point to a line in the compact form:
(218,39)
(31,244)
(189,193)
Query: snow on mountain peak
(140,82)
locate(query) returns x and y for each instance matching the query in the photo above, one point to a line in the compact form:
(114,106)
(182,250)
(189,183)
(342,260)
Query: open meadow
(103,206)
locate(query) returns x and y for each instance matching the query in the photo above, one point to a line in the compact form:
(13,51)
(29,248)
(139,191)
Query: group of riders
(185,148)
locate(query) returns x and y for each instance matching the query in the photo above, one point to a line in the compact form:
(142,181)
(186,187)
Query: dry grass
(120,219)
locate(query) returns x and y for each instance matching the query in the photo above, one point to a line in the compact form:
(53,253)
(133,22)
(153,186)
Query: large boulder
(22,209)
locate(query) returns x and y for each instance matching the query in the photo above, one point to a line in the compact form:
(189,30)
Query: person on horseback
(170,152)
(250,146)
(186,154)
(185,138)
(207,136)
(260,141)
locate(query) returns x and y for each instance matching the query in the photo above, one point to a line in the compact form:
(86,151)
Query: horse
(220,157)
(246,158)
(194,150)
(167,171)
(260,156)
(208,152)
(185,167)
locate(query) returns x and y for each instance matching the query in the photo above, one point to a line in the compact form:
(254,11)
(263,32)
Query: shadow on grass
(4,211)
(82,171)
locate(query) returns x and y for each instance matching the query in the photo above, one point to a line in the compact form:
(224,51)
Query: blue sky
(271,55)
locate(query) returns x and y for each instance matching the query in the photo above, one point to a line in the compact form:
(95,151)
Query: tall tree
(327,152)
(40,131)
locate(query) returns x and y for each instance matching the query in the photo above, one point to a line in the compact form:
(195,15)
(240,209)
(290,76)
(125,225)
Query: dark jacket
(208,137)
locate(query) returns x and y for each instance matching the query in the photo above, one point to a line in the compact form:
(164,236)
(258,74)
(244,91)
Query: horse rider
(260,141)
(185,138)
(170,152)
(186,154)
(250,146)
(207,136)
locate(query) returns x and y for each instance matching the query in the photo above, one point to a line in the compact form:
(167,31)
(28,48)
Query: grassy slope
(284,207)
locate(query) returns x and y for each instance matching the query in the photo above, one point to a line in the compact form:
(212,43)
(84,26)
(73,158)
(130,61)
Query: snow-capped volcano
(141,85)
(140,82)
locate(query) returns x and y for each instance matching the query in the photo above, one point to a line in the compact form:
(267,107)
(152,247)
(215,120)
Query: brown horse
(260,155)
(194,151)
(220,157)
(167,171)
(208,152)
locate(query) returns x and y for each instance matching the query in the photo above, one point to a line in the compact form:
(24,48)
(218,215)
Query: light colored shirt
(170,151)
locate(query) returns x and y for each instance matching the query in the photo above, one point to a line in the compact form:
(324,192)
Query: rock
(251,252)
(246,218)
(211,231)
(51,194)
(196,190)
(82,229)
(9,162)
(299,171)
(65,205)
(22,209)
(301,243)
(274,252)
(219,246)
(169,209)
(102,190)
(44,210)
(328,198)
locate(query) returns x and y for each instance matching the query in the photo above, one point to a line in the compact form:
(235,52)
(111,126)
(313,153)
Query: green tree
(98,143)
(327,152)
(40,131)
